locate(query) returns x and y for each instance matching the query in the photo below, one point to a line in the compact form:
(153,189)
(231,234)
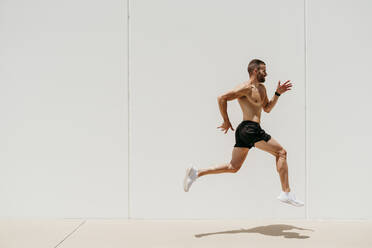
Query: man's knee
(282,153)
(233,167)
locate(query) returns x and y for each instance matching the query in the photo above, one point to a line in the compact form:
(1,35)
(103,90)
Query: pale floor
(123,233)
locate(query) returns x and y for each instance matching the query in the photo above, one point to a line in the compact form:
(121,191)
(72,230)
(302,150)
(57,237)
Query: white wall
(63,105)
(183,55)
(339,59)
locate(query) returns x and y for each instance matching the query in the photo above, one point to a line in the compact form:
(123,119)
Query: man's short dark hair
(255,63)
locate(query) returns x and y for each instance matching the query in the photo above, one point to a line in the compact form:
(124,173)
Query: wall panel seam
(306,117)
(128,97)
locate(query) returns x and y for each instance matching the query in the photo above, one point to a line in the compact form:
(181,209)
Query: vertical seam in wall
(306,119)
(128,95)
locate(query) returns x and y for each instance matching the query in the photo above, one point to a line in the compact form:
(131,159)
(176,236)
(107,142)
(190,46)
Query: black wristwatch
(276,93)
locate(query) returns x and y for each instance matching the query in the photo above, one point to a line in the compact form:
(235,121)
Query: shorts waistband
(249,121)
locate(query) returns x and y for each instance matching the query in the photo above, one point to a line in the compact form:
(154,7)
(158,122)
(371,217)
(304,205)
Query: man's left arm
(281,88)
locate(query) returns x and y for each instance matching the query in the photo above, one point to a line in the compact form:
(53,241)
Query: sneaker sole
(296,204)
(291,203)
(285,201)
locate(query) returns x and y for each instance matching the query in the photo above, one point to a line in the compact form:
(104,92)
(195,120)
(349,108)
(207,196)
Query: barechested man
(252,99)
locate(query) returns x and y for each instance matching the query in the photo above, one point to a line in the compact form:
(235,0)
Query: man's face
(261,73)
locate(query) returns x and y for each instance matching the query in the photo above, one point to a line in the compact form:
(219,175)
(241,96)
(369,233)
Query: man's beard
(261,79)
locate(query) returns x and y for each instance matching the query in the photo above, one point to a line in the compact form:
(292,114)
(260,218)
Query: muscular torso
(251,103)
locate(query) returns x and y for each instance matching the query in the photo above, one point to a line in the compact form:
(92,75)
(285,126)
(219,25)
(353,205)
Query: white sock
(285,193)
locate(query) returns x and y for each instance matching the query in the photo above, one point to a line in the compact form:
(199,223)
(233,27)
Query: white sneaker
(190,177)
(289,198)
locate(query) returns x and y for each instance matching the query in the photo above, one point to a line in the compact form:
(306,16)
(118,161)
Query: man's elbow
(221,98)
(267,110)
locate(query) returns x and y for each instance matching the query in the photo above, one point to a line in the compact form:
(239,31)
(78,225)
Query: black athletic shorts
(248,133)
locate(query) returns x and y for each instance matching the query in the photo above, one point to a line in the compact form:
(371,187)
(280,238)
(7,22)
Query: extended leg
(238,156)
(273,147)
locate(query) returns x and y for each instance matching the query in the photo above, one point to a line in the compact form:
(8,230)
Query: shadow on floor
(270,230)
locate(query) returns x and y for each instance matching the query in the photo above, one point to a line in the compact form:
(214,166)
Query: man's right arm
(239,91)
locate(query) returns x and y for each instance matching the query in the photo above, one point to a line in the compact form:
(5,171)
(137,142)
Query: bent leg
(273,147)
(238,156)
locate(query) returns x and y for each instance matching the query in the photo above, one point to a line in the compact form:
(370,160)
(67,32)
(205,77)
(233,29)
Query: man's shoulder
(244,85)
(243,89)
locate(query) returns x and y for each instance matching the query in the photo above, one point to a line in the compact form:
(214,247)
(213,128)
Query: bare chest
(256,96)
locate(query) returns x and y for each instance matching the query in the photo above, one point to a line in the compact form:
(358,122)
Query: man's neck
(254,81)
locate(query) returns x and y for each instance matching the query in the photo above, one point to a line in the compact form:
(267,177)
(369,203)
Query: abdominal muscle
(251,110)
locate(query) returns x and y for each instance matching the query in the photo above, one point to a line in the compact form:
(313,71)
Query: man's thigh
(238,156)
(272,146)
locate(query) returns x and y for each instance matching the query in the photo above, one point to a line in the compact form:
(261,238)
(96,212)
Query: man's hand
(283,87)
(225,126)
